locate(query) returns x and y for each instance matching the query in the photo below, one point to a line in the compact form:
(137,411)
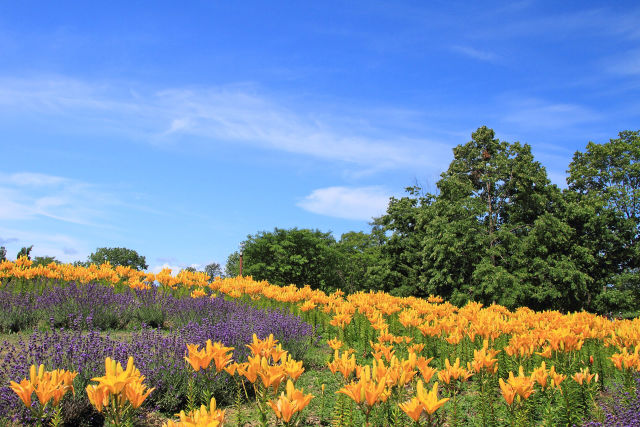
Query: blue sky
(177,129)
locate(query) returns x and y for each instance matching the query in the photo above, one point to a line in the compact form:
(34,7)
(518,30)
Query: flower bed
(159,354)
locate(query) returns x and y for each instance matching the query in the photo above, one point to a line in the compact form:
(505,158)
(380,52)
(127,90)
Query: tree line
(495,230)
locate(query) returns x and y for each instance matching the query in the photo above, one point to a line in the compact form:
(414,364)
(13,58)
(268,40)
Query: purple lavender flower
(159,354)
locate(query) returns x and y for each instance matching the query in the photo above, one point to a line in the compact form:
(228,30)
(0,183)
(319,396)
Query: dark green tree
(25,251)
(291,256)
(604,193)
(362,267)
(401,260)
(44,260)
(119,256)
(3,253)
(232,267)
(496,212)
(213,270)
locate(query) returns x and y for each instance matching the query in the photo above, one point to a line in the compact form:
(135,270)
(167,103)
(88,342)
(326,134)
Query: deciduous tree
(119,256)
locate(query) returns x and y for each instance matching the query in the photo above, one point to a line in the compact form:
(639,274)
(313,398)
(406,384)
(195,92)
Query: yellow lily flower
(429,400)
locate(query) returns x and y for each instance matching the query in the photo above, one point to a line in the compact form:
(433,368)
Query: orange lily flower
(584,376)
(454,372)
(540,375)
(429,400)
(260,347)
(556,378)
(508,392)
(210,417)
(412,408)
(522,384)
(293,368)
(287,405)
(335,343)
(98,396)
(137,392)
(354,390)
(115,377)
(24,390)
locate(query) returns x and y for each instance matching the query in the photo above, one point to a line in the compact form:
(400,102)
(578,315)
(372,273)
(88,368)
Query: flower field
(100,345)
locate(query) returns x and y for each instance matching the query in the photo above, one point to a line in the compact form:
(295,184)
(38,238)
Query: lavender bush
(159,354)
(619,407)
(96,306)
(70,306)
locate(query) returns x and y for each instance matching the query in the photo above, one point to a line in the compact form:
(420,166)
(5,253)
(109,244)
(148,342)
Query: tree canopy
(495,230)
(119,256)
(294,256)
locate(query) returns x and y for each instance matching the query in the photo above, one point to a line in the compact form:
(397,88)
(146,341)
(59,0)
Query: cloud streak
(481,55)
(356,203)
(25,196)
(534,113)
(626,65)
(59,245)
(229,114)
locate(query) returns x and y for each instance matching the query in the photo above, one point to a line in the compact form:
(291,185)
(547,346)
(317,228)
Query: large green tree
(494,231)
(489,200)
(604,193)
(290,256)
(361,266)
(401,261)
(119,256)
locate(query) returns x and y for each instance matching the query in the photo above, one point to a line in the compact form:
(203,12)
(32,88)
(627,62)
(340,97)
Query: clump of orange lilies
(266,368)
(49,386)
(424,402)
(118,392)
(205,416)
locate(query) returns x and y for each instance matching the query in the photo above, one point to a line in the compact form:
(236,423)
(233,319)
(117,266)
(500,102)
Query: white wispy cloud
(62,246)
(228,114)
(541,114)
(357,203)
(481,55)
(627,64)
(25,196)
(174,266)
(621,23)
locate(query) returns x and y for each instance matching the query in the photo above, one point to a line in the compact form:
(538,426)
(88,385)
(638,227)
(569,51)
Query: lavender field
(74,327)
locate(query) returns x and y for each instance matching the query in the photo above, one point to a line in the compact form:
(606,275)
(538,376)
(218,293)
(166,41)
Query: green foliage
(25,251)
(604,186)
(400,263)
(498,231)
(213,270)
(44,260)
(311,257)
(119,256)
(3,253)
(361,265)
(232,267)
(474,238)
(300,257)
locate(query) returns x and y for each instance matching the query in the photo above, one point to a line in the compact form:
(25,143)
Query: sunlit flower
(412,408)
(288,404)
(429,400)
